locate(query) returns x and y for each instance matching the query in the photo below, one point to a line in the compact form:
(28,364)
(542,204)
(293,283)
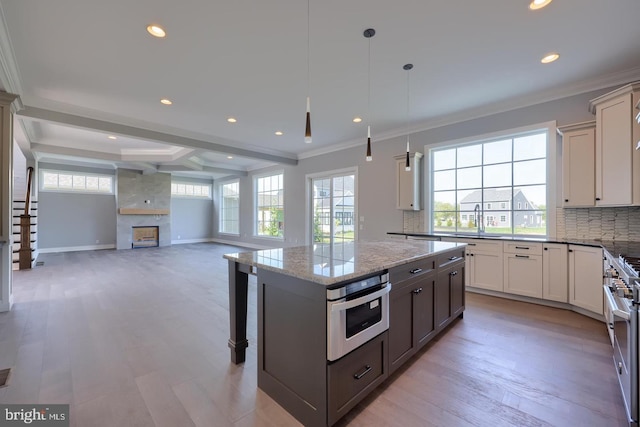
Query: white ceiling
(88,69)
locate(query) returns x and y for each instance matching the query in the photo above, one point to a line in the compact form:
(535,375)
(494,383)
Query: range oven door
(353,322)
(625,354)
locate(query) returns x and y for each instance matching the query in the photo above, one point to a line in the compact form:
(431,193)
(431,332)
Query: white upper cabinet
(617,170)
(578,164)
(408,183)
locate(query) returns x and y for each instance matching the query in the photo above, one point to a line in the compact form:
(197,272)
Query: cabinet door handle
(546,249)
(597,198)
(570,250)
(367,369)
(522,247)
(522,256)
(453,273)
(471,254)
(453,258)
(566,200)
(417,291)
(415,271)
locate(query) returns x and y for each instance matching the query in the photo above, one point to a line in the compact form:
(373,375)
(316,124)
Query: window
(185,189)
(493,172)
(464,217)
(333,196)
(76,182)
(230,208)
(270,206)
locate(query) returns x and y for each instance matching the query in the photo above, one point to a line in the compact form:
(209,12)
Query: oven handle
(363,299)
(613,306)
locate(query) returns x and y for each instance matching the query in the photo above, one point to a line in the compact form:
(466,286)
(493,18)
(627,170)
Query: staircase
(24,229)
(18,212)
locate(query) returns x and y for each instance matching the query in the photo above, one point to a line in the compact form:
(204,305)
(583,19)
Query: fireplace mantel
(138,211)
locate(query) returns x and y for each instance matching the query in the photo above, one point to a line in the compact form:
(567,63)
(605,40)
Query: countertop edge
(331,281)
(593,243)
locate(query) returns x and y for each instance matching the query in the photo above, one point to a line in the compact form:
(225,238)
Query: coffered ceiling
(87,70)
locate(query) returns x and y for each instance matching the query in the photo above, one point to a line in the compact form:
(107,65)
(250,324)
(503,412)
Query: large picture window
(496,187)
(270,206)
(230,208)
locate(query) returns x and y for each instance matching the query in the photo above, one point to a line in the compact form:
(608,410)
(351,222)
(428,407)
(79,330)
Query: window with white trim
(191,190)
(505,171)
(230,207)
(269,196)
(75,182)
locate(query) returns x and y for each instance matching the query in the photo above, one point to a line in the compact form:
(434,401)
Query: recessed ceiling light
(229,157)
(166,101)
(112,137)
(231,120)
(357,119)
(538,4)
(279,133)
(550,58)
(156,31)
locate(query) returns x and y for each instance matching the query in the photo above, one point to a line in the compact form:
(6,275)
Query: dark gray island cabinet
(416,287)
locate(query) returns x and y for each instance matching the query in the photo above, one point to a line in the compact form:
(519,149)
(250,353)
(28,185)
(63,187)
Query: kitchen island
(294,366)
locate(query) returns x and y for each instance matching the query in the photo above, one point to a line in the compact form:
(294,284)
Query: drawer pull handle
(522,256)
(363,373)
(522,247)
(417,291)
(453,258)
(471,244)
(416,271)
(453,273)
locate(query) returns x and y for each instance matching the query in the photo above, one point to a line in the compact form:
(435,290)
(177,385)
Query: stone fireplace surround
(132,191)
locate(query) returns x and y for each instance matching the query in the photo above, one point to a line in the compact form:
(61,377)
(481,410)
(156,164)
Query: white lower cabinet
(555,285)
(523,275)
(485,270)
(585,278)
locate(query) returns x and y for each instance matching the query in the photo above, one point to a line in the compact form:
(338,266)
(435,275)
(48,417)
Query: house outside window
(269,213)
(505,171)
(230,207)
(333,196)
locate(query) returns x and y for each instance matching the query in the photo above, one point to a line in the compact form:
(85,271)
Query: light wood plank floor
(139,338)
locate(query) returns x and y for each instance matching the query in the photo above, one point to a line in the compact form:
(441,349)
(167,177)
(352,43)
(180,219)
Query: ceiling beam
(146,134)
(211,169)
(74,152)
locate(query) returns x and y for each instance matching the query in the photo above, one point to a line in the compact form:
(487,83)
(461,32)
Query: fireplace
(144,236)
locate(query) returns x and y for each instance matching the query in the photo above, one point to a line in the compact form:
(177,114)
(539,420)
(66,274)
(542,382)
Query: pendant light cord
(308,49)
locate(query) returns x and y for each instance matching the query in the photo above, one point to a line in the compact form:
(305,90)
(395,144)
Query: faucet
(478,217)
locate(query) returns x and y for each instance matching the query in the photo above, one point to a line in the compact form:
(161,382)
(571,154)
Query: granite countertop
(329,264)
(615,248)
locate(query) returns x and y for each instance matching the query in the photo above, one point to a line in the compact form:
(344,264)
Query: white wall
(377,180)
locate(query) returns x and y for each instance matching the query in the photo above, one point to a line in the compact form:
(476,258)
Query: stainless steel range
(622,294)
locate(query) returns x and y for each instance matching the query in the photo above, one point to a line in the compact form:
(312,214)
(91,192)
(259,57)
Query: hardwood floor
(139,338)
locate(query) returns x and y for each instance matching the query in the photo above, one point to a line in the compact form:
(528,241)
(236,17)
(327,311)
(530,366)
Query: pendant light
(307,132)
(368,33)
(407,164)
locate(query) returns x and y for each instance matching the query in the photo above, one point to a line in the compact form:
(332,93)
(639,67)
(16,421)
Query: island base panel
(238,290)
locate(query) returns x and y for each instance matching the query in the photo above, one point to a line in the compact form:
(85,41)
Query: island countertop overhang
(331,264)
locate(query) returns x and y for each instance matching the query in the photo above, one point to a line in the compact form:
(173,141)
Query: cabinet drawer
(351,378)
(450,258)
(523,248)
(481,245)
(412,269)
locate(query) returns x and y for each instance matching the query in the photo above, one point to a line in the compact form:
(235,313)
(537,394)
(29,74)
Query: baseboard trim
(241,244)
(185,241)
(76,248)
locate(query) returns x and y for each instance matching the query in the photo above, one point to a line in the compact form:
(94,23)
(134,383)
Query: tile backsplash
(413,221)
(599,223)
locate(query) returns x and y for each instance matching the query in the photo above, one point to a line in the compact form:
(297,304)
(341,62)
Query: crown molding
(540,97)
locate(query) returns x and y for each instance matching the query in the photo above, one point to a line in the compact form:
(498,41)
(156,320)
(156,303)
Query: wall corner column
(6,199)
